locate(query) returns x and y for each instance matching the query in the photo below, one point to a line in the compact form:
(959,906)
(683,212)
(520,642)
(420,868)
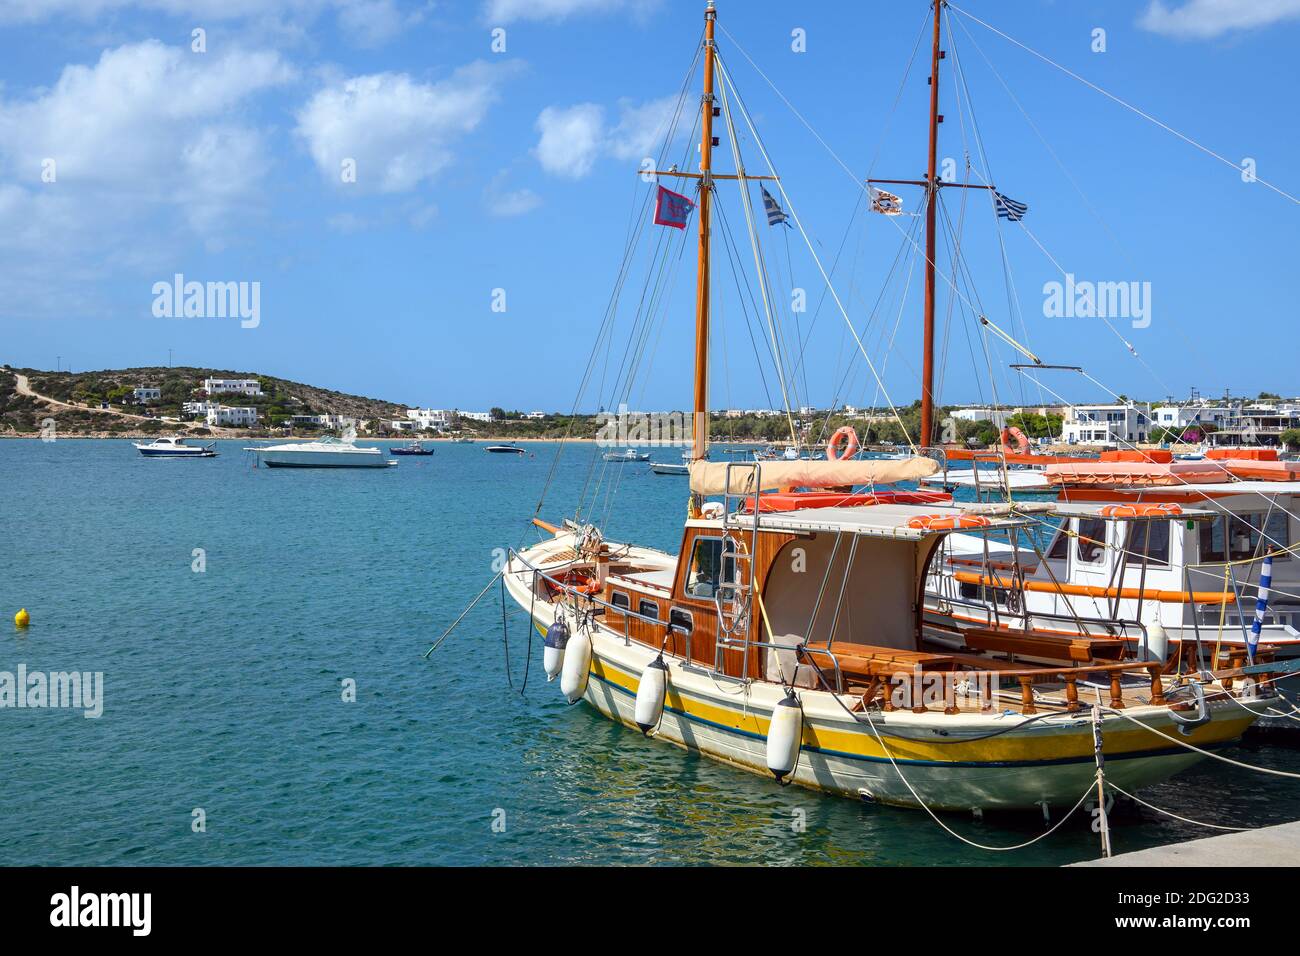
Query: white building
(232,417)
(1106,425)
(404,425)
(336,421)
(476,416)
(1225,423)
(426,418)
(536,415)
(144,394)
(984,413)
(198,408)
(232,386)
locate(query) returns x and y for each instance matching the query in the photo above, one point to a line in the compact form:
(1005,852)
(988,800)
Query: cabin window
(712,563)
(620,600)
(1090,546)
(1060,549)
(1153,544)
(680,621)
(1248,536)
(648,608)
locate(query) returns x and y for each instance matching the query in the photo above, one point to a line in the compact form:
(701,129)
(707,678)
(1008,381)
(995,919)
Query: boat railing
(1026,677)
(1125,628)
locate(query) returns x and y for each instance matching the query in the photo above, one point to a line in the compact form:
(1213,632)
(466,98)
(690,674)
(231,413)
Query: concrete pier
(1268,846)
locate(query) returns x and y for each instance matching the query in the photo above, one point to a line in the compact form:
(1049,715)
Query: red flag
(672,209)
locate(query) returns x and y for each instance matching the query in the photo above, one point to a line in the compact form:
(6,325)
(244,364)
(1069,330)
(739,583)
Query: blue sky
(479,169)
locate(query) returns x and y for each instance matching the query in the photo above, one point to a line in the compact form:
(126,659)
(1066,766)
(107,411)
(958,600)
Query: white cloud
(151,150)
(504,202)
(571,139)
(574,137)
(365,22)
(641,129)
(398,131)
(1206,19)
(507,11)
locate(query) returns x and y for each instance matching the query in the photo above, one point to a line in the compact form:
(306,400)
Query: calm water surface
(223,688)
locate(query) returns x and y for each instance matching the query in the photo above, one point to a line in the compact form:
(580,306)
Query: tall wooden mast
(700,410)
(931,200)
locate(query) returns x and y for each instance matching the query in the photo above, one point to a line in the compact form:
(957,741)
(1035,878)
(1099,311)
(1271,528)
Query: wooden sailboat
(787,636)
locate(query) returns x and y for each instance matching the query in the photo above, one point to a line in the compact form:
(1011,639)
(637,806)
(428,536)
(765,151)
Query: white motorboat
(326,452)
(174,447)
(668,468)
(630,454)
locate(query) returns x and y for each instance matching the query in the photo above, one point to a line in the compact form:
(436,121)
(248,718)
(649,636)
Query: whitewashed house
(232,386)
(232,417)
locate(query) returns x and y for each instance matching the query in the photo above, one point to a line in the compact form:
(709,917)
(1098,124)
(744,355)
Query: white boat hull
(316,459)
(1047,762)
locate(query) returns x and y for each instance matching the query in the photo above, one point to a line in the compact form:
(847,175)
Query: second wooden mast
(931,200)
(700,410)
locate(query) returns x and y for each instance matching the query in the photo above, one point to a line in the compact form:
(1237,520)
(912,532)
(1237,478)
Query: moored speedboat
(507,449)
(414,448)
(328,452)
(174,448)
(627,455)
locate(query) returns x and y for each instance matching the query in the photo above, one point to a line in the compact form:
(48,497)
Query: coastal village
(135,402)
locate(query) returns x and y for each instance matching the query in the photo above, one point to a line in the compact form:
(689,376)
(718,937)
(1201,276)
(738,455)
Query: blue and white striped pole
(1261,606)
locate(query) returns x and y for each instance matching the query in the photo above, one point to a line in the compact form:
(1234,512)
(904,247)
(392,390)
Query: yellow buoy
(22,618)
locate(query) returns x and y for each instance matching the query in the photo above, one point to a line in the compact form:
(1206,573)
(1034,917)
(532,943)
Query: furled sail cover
(710,477)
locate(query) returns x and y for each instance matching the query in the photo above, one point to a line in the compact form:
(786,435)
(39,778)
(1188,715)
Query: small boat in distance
(174,447)
(505,449)
(328,452)
(414,448)
(630,454)
(668,468)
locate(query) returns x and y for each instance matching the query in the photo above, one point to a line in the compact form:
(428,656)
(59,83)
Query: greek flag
(775,214)
(1009,208)
(1261,605)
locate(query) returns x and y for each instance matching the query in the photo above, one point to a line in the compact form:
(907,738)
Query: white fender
(650,695)
(553,644)
(577,664)
(784,736)
(1157,641)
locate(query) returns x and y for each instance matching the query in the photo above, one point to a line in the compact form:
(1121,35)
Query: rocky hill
(100,401)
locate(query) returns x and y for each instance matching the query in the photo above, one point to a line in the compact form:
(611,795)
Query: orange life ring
(847,435)
(947,522)
(1022,442)
(1141,511)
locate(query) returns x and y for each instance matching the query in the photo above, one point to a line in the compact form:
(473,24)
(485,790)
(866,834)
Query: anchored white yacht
(326,452)
(174,447)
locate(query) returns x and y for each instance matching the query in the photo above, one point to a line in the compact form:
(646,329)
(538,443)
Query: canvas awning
(710,477)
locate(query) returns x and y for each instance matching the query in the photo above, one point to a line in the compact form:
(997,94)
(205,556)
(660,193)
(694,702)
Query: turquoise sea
(223,690)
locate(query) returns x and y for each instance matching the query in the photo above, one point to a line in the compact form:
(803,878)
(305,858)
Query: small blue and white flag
(1261,605)
(1009,208)
(775,214)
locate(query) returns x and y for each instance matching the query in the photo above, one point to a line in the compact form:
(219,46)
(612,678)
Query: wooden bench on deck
(1050,647)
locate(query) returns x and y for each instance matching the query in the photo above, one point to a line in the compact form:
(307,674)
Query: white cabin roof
(878,521)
